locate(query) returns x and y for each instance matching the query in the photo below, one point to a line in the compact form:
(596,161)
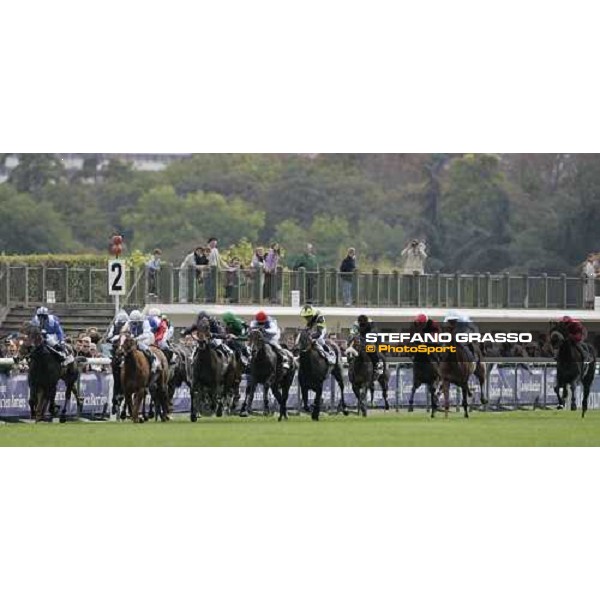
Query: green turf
(539,428)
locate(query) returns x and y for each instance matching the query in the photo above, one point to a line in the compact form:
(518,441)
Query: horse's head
(127,344)
(203,333)
(557,334)
(256,340)
(304,341)
(30,339)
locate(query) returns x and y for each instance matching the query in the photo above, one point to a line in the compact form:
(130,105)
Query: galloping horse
(264,371)
(45,371)
(360,372)
(313,372)
(456,368)
(570,368)
(137,380)
(209,367)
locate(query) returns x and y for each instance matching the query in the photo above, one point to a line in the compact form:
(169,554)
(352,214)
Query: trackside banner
(507,385)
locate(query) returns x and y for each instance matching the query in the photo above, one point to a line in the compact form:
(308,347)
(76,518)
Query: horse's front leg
(316,410)
(446,394)
(411,400)
(573,397)
(465,401)
(266,411)
(384,391)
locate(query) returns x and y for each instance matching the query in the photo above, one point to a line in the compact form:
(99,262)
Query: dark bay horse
(571,369)
(360,372)
(456,368)
(209,367)
(264,371)
(45,371)
(314,370)
(426,371)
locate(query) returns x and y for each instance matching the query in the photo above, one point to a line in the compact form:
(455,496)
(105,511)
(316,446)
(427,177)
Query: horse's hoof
(63,419)
(410,408)
(244,413)
(219,412)
(466,415)
(279,419)
(386,406)
(314,417)
(559,407)
(193,417)
(573,406)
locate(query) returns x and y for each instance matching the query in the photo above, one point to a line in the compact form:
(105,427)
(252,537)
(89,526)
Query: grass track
(539,428)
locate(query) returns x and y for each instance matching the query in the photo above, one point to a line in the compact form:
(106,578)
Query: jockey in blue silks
(53,333)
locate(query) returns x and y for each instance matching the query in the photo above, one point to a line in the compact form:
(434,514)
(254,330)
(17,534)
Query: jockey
(235,327)
(460,323)
(361,327)
(141,330)
(424,324)
(216,331)
(53,333)
(577,333)
(120,321)
(271,334)
(162,330)
(315,323)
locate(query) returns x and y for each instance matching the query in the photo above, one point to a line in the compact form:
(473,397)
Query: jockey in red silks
(577,333)
(426,325)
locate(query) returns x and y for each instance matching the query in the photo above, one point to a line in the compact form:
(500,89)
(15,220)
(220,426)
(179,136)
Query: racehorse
(426,371)
(384,382)
(209,367)
(571,369)
(137,380)
(360,372)
(456,368)
(264,371)
(313,372)
(45,371)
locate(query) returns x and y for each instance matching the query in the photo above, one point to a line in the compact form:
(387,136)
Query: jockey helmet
(203,315)
(122,316)
(261,317)
(307,311)
(421,318)
(452,316)
(228,318)
(464,319)
(136,316)
(566,319)
(362,319)
(154,312)
(42,311)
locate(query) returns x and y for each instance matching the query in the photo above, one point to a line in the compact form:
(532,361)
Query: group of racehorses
(214,375)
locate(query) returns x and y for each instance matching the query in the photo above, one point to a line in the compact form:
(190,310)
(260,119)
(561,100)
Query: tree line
(526,213)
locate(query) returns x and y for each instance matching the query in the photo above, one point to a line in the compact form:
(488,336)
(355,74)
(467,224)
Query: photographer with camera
(414,255)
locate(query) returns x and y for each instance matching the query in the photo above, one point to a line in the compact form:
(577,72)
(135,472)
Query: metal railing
(29,285)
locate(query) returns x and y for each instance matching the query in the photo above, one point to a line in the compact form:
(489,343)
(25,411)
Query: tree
(36,171)
(30,226)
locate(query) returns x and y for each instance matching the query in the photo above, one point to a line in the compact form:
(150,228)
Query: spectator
(309,262)
(258,260)
(589,276)
(347,268)
(153,267)
(232,280)
(414,255)
(92,332)
(270,270)
(195,262)
(214,260)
